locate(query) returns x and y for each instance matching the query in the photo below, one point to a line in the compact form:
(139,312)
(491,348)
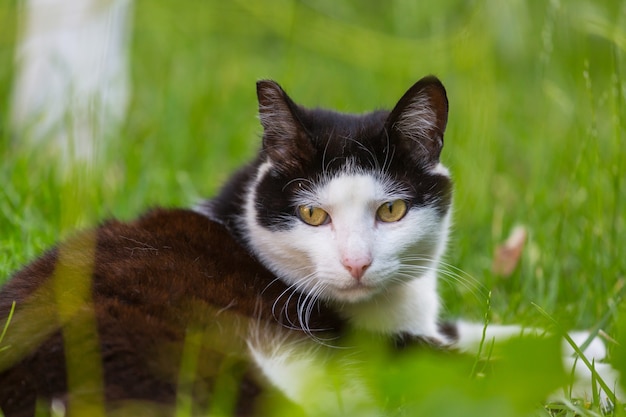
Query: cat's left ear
(418,121)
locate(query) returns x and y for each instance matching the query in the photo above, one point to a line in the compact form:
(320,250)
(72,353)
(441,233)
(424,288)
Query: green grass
(536,135)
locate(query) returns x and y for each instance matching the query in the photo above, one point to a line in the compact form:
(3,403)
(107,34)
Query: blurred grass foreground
(536,136)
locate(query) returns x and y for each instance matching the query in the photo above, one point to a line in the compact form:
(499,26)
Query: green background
(536,132)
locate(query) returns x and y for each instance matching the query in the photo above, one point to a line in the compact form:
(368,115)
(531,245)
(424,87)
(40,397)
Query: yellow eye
(313,216)
(391,211)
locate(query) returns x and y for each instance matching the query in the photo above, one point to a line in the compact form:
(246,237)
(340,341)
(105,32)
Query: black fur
(149,282)
(315,142)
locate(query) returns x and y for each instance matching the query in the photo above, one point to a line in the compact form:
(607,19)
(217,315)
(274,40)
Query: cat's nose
(356,266)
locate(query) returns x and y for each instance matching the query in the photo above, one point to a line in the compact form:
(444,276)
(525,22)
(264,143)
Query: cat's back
(161,259)
(173,258)
(148,286)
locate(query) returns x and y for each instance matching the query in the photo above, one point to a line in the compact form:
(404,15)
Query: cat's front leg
(310,375)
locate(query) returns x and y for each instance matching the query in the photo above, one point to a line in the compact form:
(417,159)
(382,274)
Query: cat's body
(347,215)
(349,167)
(153,281)
(370,263)
(339,223)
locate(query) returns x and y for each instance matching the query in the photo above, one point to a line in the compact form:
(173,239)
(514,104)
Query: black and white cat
(340,222)
(353,210)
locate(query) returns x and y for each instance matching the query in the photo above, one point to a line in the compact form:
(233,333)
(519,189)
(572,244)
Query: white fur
(412,308)
(418,120)
(440,169)
(397,292)
(297,370)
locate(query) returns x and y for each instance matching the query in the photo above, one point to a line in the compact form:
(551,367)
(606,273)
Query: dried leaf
(507,256)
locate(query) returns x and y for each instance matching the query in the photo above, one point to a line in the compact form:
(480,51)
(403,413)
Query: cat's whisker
(447,271)
(309,307)
(302,308)
(295,288)
(299,179)
(324,166)
(400,278)
(337,158)
(285,309)
(476,288)
(299,310)
(466,281)
(305,307)
(421,269)
(375,164)
(278,279)
(389,154)
(312,301)
(275,280)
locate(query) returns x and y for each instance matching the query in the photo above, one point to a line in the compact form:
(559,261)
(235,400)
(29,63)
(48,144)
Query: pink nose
(356,266)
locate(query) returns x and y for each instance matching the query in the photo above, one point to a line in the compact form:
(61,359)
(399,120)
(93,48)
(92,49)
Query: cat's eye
(313,216)
(391,211)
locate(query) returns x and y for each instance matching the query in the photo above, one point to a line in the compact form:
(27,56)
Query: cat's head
(344,207)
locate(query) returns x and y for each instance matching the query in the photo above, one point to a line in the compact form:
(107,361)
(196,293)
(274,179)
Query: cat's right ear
(284,139)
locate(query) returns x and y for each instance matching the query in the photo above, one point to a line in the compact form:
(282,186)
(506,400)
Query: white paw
(584,383)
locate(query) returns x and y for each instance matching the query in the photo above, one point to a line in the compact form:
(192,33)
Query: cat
(352,210)
(338,224)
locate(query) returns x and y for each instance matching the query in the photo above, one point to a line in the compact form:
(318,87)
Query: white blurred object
(71,84)
(472,335)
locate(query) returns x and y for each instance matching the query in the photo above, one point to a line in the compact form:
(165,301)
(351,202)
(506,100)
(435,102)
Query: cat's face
(345,207)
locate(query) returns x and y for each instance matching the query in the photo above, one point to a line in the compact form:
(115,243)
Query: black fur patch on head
(307,145)
(336,154)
